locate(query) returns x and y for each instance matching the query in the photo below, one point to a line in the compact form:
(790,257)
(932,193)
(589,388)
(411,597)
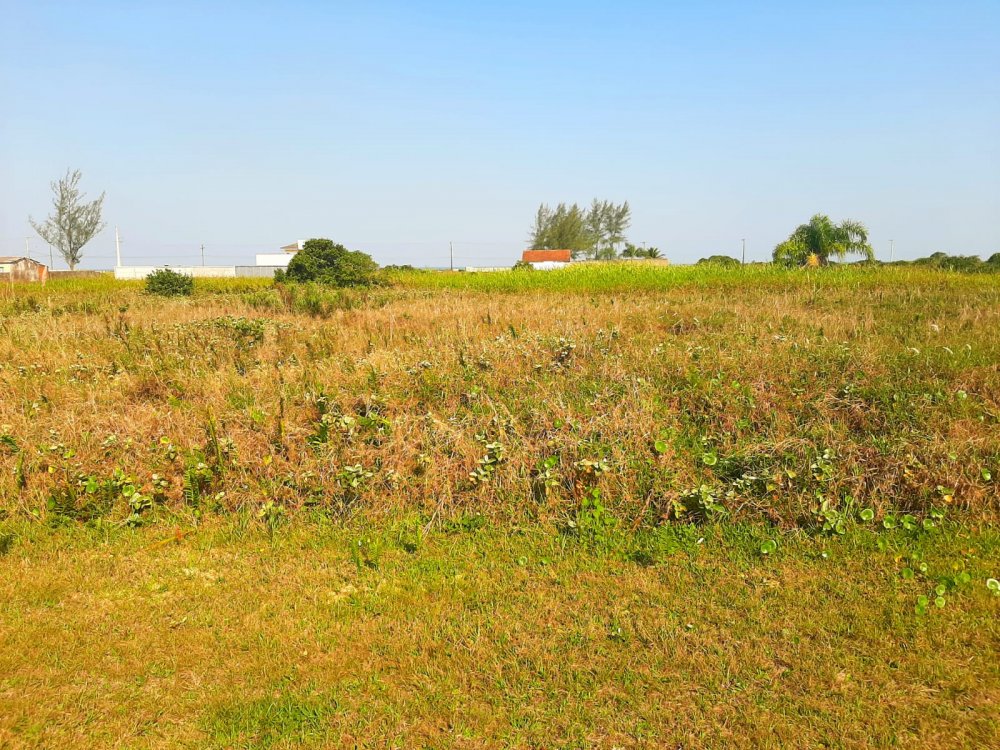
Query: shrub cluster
(960,263)
(720,260)
(167,283)
(324,262)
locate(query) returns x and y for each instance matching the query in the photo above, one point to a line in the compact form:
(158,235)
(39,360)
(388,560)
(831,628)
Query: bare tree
(73,222)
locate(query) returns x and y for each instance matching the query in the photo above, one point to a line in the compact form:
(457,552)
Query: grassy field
(616,506)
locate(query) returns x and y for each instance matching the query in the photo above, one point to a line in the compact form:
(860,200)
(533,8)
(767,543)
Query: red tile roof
(539,256)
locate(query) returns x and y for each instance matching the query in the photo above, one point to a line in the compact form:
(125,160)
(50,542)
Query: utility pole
(744,241)
(118,248)
(892,250)
(203,253)
(451,255)
(51,260)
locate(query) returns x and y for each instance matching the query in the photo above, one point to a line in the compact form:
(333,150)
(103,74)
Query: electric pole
(744,241)
(118,248)
(51,260)
(892,250)
(451,255)
(27,249)
(203,253)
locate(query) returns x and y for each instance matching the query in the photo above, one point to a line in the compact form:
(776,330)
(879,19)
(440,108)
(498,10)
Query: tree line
(596,232)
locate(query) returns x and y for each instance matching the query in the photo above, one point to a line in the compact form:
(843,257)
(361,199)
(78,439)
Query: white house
(280,259)
(546,260)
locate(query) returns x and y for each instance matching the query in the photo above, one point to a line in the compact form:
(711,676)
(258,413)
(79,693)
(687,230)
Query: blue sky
(398,127)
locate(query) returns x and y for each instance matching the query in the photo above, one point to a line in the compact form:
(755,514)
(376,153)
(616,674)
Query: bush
(958,263)
(523,265)
(720,260)
(167,283)
(324,262)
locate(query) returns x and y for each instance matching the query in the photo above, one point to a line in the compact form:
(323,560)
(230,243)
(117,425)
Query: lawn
(616,506)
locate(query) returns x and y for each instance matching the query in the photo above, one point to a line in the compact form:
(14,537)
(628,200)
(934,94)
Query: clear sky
(398,127)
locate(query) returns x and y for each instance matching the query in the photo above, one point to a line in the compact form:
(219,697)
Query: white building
(547,260)
(280,259)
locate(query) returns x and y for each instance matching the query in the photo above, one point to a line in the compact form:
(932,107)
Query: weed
(701,504)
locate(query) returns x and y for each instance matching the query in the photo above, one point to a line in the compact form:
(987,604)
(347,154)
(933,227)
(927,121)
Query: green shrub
(720,260)
(958,263)
(167,283)
(322,261)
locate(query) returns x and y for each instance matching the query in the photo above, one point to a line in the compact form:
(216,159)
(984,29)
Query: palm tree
(819,240)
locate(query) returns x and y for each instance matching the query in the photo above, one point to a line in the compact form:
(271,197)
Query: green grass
(493,638)
(645,277)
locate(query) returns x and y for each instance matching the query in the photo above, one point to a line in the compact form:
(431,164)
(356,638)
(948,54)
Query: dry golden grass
(897,377)
(512,510)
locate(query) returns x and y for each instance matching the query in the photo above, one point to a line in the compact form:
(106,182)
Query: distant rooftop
(541,256)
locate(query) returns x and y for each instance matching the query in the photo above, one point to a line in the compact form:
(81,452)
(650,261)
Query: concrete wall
(67,274)
(198,272)
(257,272)
(133,273)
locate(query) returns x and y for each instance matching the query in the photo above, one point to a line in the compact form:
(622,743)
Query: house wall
(24,271)
(548,265)
(274,259)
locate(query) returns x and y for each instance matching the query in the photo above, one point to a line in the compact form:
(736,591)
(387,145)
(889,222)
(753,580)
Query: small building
(282,259)
(546,260)
(14,268)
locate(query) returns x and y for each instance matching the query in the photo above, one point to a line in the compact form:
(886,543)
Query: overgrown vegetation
(534,490)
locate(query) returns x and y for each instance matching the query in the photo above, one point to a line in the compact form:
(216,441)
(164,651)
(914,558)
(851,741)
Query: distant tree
(323,261)
(720,260)
(633,251)
(819,240)
(590,233)
(618,220)
(958,263)
(73,222)
(562,228)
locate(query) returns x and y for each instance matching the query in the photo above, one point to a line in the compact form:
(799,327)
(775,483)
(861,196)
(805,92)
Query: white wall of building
(548,265)
(274,259)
